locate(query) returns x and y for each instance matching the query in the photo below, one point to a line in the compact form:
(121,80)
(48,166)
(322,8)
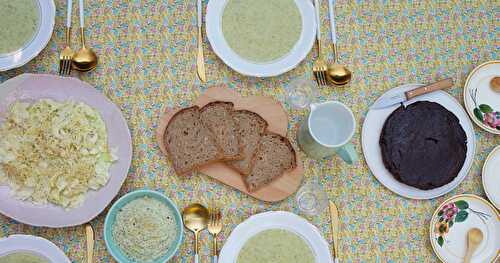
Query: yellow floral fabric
(147,56)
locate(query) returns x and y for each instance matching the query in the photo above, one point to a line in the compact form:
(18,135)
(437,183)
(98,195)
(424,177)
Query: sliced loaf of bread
(218,118)
(251,127)
(188,143)
(274,156)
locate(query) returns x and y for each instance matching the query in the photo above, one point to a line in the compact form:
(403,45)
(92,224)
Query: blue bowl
(115,251)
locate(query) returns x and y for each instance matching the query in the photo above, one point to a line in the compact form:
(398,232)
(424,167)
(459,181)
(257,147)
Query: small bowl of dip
(143,226)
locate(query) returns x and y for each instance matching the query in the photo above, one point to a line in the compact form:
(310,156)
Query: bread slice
(274,156)
(218,118)
(188,143)
(251,127)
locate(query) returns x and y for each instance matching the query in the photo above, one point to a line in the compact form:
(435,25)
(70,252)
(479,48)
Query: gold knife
(200,61)
(334,217)
(89,233)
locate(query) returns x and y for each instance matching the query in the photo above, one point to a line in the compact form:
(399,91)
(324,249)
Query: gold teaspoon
(85,59)
(337,74)
(195,218)
(474,238)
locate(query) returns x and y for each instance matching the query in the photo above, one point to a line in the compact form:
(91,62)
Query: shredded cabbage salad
(54,152)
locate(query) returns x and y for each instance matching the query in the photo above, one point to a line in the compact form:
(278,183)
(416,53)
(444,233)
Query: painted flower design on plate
(452,213)
(485,113)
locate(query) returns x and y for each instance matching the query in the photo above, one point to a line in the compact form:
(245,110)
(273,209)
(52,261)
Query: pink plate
(31,87)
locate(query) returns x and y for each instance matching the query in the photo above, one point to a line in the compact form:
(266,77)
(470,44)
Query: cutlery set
(84,59)
(325,73)
(197,218)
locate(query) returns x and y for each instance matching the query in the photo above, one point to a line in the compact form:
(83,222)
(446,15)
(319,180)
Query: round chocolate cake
(423,145)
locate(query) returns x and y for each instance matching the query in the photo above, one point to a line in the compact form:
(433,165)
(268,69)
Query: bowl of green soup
(278,237)
(30,249)
(261,38)
(26,29)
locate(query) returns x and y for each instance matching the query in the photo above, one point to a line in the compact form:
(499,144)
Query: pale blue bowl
(115,251)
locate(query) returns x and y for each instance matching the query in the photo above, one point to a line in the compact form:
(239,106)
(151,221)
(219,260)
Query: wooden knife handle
(442,84)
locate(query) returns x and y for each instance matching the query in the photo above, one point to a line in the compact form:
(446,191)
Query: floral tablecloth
(147,63)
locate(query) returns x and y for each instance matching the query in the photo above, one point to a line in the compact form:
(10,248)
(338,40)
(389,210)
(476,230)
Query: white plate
(47,13)
(491,177)
(36,245)
(34,87)
(275,220)
(454,241)
(370,137)
(215,10)
(477,91)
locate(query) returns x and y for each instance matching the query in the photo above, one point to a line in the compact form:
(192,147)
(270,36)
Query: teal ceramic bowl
(116,252)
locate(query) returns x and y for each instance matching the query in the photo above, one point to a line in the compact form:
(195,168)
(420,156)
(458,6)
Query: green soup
(22,257)
(19,23)
(276,246)
(261,30)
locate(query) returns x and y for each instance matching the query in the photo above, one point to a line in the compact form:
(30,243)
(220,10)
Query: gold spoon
(195,218)
(474,238)
(85,59)
(337,74)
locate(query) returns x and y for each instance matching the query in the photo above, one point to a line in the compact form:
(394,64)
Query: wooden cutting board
(274,113)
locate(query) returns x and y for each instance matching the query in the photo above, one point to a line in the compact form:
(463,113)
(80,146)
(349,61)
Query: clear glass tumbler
(300,93)
(311,199)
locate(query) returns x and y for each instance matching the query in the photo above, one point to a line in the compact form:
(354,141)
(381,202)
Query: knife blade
(334,217)
(394,99)
(89,233)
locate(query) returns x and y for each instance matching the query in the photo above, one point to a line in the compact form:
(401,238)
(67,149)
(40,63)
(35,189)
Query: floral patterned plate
(454,218)
(481,102)
(491,177)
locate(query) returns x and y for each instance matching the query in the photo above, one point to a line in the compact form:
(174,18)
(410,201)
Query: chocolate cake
(423,145)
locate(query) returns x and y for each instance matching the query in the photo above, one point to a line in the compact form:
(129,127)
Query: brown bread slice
(189,144)
(251,126)
(274,156)
(218,118)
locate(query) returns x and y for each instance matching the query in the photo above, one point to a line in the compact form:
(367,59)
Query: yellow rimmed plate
(481,102)
(491,177)
(454,218)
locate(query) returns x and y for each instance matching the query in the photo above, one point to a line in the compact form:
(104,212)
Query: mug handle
(348,153)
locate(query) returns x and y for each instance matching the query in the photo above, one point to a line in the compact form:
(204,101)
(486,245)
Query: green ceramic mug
(328,130)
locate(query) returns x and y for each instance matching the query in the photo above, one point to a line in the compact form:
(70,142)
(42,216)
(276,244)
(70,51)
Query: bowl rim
(127,198)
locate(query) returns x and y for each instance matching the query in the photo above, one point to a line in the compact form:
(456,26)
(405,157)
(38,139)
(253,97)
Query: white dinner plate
(34,245)
(275,220)
(47,13)
(215,11)
(491,177)
(370,136)
(480,100)
(32,87)
(454,218)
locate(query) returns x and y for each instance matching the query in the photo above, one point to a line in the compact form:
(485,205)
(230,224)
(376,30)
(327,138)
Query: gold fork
(66,57)
(214,228)
(320,67)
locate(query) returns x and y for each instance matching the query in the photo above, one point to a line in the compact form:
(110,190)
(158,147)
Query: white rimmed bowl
(215,11)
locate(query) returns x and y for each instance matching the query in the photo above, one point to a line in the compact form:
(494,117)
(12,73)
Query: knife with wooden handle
(334,217)
(391,99)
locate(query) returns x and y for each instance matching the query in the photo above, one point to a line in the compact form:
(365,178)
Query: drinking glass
(300,93)
(311,198)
